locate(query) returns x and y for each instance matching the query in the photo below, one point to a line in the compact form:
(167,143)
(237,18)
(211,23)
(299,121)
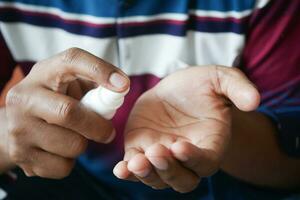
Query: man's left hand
(178,132)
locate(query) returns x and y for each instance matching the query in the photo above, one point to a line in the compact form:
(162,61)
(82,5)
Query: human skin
(46,127)
(247,147)
(194,123)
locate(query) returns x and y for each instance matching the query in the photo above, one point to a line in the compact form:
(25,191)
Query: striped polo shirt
(149,39)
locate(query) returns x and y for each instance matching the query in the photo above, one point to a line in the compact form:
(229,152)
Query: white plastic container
(104,101)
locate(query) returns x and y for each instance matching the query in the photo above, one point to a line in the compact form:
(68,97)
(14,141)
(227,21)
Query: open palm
(178,131)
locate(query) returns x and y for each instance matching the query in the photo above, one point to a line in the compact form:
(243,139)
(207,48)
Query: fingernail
(111,137)
(159,163)
(117,80)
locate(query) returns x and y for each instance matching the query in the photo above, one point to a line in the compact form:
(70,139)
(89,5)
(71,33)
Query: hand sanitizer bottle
(104,101)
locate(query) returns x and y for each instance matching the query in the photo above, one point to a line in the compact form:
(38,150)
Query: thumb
(233,84)
(76,63)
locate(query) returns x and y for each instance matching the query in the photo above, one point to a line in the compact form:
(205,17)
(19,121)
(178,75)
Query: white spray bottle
(104,101)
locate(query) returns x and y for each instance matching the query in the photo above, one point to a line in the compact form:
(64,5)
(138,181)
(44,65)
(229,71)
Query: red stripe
(90,24)
(55,17)
(219,19)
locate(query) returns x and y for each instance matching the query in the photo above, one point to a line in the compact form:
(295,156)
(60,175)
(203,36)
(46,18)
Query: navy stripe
(177,28)
(113,8)
(45,20)
(221,26)
(181,29)
(158,28)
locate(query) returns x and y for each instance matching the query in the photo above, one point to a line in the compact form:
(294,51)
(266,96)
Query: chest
(139,36)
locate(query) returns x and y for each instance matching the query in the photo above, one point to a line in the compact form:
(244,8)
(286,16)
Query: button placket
(123,44)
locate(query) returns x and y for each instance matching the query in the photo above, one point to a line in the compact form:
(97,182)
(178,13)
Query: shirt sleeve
(271,60)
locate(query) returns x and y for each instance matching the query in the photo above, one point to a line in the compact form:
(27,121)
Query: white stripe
(109,20)
(163,54)
(261,3)
(58,12)
(165,16)
(33,43)
(219,14)
(155,54)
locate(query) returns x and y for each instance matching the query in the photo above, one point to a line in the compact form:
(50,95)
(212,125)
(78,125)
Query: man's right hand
(47,126)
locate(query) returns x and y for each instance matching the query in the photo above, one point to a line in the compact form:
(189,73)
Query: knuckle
(16,135)
(96,68)
(78,146)
(14,130)
(14,96)
(70,55)
(66,111)
(17,154)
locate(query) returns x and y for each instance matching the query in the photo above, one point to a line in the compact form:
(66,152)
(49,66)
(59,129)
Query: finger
(121,171)
(67,112)
(47,165)
(233,84)
(203,162)
(140,166)
(170,171)
(77,63)
(57,140)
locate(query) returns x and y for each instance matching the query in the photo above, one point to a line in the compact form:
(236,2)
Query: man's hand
(47,125)
(179,131)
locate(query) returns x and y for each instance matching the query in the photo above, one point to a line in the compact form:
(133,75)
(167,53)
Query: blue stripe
(113,8)
(103,8)
(223,5)
(150,7)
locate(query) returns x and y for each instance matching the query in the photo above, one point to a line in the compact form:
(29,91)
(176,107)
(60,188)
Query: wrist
(5,162)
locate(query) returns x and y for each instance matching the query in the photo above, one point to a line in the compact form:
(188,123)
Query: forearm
(254,154)
(5,164)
